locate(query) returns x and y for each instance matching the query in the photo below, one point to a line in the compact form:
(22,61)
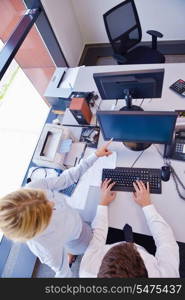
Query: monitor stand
(131,145)
(136,146)
(128,99)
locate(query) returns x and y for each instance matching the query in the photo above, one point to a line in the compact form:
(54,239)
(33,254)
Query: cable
(116,103)
(141,102)
(29,178)
(159,153)
(177,181)
(137,159)
(98,108)
(175,177)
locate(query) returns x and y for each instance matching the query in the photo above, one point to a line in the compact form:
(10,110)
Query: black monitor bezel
(108,112)
(99,77)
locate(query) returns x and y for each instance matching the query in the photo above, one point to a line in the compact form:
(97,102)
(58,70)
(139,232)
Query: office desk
(124,209)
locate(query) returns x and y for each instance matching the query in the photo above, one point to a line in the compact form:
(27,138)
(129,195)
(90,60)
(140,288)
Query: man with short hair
(128,259)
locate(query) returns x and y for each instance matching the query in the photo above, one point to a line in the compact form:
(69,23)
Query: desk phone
(177,149)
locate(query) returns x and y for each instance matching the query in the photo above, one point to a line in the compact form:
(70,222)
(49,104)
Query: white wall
(80,22)
(167,16)
(63,20)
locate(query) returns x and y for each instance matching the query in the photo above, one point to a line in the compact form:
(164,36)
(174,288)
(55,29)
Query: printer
(49,151)
(58,91)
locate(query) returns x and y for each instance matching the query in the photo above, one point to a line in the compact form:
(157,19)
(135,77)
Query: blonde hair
(24,214)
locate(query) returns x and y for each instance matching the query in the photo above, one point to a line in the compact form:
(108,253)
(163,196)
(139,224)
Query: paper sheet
(91,178)
(74,155)
(95,172)
(70,77)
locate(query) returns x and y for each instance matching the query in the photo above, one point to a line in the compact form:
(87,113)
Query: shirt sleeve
(67,177)
(100,226)
(61,270)
(64,271)
(167,253)
(90,265)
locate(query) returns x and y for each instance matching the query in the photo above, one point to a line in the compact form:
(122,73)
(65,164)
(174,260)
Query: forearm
(73,174)
(100,226)
(167,253)
(67,177)
(161,231)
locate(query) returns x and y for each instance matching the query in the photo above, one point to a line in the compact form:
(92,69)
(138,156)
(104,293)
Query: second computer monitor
(137,129)
(128,85)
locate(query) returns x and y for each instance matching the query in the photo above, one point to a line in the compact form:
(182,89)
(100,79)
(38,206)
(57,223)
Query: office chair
(124,32)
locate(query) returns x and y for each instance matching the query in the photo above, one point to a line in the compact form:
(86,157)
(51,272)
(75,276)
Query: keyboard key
(124,178)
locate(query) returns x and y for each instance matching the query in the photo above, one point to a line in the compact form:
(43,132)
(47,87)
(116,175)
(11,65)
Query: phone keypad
(179,87)
(179,148)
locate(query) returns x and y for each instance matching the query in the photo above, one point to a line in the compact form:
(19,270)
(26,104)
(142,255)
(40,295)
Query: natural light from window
(22,116)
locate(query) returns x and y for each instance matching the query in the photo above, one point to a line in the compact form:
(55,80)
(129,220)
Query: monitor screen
(137,126)
(140,84)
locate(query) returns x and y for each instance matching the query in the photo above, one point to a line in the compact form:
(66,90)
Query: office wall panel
(166,16)
(65,25)
(80,22)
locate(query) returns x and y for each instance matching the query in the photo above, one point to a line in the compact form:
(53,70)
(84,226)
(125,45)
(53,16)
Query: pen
(62,77)
(75,161)
(82,155)
(86,126)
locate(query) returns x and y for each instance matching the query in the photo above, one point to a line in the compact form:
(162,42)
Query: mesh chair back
(123,26)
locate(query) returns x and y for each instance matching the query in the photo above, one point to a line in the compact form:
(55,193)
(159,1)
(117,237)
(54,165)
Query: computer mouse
(165,173)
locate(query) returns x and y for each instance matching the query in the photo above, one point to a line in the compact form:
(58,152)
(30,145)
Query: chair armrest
(155,34)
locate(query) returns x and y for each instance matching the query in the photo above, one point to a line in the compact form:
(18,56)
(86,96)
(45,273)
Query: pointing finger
(109,142)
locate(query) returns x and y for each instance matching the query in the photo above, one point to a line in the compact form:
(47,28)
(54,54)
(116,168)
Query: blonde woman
(39,215)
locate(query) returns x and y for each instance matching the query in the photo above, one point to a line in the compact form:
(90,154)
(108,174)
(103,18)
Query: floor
(41,270)
(169,59)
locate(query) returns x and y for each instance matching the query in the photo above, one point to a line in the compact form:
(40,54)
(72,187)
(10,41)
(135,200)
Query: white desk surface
(124,209)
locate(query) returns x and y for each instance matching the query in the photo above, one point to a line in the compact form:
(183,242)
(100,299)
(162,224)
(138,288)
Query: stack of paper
(91,178)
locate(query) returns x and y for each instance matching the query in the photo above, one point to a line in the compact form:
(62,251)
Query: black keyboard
(124,178)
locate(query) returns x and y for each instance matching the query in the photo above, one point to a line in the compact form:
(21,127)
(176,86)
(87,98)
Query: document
(65,146)
(91,178)
(95,172)
(70,77)
(73,156)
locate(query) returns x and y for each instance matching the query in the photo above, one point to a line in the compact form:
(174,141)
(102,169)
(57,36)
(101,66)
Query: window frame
(35,14)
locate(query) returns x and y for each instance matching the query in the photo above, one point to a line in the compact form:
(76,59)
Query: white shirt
(165,263)
(65,224)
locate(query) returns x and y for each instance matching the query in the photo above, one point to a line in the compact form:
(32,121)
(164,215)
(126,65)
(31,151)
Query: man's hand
(142,193)
(103,151)
(107,196)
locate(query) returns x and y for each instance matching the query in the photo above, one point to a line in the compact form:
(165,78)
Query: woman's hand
(104,151)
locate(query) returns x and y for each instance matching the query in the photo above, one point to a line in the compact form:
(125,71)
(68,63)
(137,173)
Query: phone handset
(177,148)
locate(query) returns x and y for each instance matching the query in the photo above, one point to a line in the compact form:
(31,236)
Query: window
(26,66)
(22,115)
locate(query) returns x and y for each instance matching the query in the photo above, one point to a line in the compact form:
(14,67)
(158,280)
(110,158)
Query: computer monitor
(130,85)
(137,129)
